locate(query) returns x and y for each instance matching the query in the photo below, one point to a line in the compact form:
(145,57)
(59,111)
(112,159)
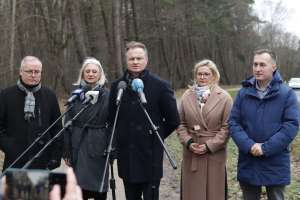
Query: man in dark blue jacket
(264,121)
(139,151)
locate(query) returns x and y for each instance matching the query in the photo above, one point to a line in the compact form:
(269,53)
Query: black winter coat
(139,152)
(16,134)
(86,141)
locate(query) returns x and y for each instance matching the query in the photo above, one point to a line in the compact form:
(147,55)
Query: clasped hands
(256,150)
(199,149)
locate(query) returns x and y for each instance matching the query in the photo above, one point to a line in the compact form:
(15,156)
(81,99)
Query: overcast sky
(291,17)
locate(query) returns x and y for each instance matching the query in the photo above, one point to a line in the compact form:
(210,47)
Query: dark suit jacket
(139,151)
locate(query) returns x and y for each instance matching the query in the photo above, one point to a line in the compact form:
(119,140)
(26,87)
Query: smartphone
(32,184)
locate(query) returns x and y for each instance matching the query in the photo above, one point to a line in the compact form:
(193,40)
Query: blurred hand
(256,150)
(199,149)
(3,188)
(68,162)
(73,191)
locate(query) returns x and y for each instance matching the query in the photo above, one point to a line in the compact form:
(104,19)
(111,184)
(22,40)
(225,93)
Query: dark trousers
(87,194)
(253,192)
(135,191)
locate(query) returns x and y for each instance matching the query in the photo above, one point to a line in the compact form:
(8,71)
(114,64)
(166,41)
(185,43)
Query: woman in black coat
(87,138)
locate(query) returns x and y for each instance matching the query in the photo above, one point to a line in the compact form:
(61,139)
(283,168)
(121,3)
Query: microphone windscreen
(122,85)
(137,85)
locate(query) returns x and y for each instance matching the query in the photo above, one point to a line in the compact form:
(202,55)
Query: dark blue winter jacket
(273,121)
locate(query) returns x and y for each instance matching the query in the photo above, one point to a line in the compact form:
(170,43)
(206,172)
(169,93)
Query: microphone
(121,88)
(91,97)
(78,93)
(138,86)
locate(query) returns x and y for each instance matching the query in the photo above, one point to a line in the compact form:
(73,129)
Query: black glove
(52,164)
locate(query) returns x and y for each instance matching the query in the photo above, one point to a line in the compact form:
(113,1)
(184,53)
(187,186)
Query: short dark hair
(268,51)
(134,44)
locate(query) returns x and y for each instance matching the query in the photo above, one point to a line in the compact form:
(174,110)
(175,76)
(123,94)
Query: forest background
(177,33)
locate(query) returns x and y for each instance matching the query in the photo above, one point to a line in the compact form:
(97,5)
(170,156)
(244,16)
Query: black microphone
(78,93)
(138,86)
(121,88)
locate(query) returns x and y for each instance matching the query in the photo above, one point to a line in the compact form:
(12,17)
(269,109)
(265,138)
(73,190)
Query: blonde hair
(134,44)
(91,60)
(213,68)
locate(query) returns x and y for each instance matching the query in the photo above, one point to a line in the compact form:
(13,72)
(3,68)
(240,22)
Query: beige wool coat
(203,176)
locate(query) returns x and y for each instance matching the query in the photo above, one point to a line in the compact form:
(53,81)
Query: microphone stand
(110,159)
(155,129)
(68,124)
(34,142)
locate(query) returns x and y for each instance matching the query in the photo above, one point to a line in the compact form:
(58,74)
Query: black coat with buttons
(16,134)
(139,152)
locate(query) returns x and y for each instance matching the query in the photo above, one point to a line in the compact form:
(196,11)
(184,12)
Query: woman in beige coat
(203,131)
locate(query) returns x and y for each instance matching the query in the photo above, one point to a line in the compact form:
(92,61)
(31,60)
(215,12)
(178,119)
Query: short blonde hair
(134,44)
(91,60)
(213,68)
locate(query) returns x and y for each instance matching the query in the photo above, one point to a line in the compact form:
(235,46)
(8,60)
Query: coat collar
(127,77)
(211,103)
(275,83)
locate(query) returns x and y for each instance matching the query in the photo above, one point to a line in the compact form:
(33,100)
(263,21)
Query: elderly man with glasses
(26,110)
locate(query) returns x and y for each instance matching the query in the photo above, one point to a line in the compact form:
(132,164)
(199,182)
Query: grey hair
(29,58)
(91,60)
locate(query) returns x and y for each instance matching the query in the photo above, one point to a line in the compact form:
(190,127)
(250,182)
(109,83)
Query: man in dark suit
(139,151)
(26,110)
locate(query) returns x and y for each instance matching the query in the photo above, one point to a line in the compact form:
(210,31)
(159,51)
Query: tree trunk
(12,40)
(78,32)
(116,12)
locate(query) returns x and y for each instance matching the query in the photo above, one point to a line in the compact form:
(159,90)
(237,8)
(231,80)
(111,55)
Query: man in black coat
(26,110)
(139,152)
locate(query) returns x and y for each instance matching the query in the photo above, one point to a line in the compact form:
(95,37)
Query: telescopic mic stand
(35,141)
(155,129)
(67,125)
(121,88)
(110,159)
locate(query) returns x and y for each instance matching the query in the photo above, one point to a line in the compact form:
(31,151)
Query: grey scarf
(29,103)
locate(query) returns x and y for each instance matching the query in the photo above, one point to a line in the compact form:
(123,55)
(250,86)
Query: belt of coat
(88,125)
(200,136)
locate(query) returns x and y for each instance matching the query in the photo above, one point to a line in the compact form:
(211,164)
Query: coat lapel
(196,108)
(212,101)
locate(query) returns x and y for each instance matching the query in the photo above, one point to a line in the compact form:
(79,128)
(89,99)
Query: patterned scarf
(29,104)
(202,94)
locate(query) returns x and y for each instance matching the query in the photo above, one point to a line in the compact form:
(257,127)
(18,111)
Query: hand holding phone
(73,191)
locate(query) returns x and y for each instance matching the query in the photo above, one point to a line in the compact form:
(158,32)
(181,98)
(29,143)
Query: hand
(73,191)
(68,162)
(199,149)
(256,150)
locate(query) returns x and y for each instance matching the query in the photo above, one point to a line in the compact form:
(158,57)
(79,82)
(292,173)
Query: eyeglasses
(204,75)
(31,72)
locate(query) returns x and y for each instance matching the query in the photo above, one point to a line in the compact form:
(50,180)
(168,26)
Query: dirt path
(169,188)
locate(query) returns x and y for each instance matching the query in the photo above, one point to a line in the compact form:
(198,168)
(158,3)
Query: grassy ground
(292,191)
